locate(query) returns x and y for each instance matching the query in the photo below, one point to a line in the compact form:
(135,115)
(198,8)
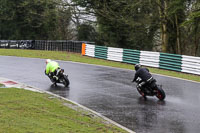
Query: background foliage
(170,26)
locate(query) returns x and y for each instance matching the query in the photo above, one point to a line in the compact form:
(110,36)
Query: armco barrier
(89,50)
(180,63)
(101,52)
(190,64)
(131,56)
(170,61)
(115,54)
(149,58)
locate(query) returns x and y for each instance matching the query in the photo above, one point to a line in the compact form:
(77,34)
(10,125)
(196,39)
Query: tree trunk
(178,45)
(196,43)
(197,48)
(165,38)
(162,7)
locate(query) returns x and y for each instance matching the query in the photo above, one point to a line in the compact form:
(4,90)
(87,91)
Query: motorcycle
(146,90)
(61,78)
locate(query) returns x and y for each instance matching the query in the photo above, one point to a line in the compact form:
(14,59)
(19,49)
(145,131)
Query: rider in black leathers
(145,77)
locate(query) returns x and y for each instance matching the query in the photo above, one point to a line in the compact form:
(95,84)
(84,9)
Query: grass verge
(30,112)
(76,57)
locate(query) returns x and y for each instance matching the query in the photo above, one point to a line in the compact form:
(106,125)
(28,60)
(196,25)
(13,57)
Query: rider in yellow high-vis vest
(51,69)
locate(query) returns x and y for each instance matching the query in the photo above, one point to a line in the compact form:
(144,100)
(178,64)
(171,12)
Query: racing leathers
(144,77)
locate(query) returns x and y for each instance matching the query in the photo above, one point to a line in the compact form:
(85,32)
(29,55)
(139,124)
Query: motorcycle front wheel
(160,94)
(66,81)
(141,92)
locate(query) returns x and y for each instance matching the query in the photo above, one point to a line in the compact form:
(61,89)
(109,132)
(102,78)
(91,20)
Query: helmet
(137,66)
(47,61)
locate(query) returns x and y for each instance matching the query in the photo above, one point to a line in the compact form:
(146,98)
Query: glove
(139,85)
(45,72)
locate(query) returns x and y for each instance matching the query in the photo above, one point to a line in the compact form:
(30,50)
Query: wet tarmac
(110,92)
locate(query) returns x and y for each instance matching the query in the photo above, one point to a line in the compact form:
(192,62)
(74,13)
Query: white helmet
(47,61)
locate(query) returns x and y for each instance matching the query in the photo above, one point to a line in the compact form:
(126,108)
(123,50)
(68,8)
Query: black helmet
(137,66)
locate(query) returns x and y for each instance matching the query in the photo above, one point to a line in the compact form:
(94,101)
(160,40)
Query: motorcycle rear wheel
(160,94)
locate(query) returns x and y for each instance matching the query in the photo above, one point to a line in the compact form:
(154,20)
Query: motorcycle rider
(145,78)
(51,69)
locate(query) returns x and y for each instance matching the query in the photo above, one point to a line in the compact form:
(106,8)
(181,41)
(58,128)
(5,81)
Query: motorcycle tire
(66,81)
(160,94)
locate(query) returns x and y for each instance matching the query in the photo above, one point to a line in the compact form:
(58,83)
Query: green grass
(23,111)
(67,56)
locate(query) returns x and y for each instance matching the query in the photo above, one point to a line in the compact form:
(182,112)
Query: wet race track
(110,92)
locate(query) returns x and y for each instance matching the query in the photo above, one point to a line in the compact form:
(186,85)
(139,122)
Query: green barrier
(131,56)
(166,61)
(170,61)
(101,52)
(170,68)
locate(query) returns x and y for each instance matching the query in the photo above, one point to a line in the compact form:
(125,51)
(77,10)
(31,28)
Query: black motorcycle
(146,90)
(61,78)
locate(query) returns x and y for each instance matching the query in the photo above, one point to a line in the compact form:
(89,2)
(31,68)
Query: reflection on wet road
(110,92)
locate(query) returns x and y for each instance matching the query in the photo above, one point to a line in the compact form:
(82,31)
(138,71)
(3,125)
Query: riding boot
(55,79)
(55,84)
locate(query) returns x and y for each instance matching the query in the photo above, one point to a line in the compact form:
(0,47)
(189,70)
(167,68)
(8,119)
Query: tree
(121,23)
(192,25)
(172,14)
(86,32)
(28,19)
(65,30)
